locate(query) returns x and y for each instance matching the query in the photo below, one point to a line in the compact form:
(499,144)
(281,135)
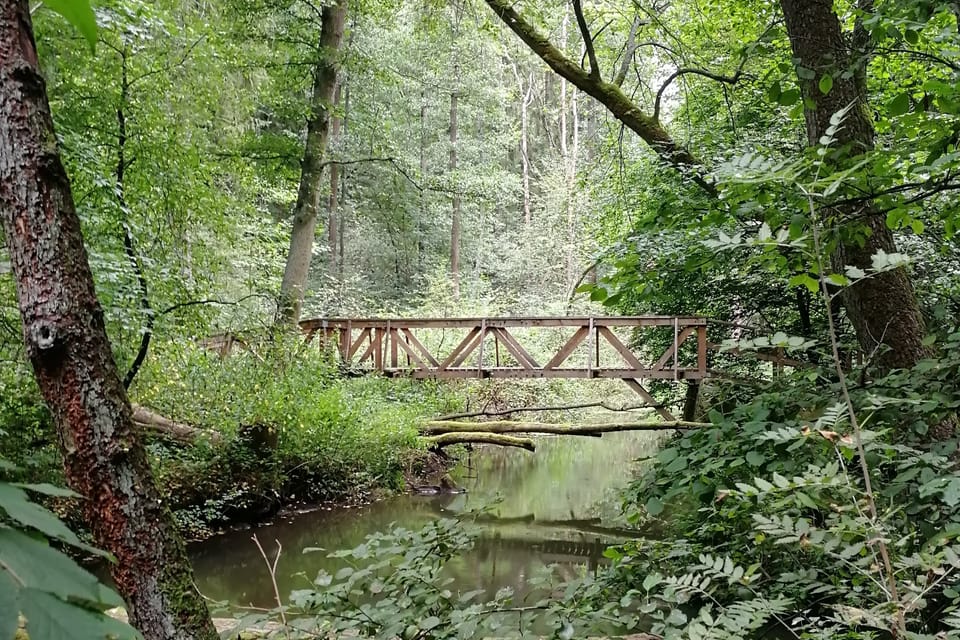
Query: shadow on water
(557,506)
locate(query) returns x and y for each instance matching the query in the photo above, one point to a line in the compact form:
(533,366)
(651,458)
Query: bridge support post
(691,401)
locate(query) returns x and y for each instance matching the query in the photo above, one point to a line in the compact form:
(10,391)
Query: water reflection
(557,506)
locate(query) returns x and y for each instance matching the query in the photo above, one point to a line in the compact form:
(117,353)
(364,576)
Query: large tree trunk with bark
(67,344)
(883,309)
(311,166)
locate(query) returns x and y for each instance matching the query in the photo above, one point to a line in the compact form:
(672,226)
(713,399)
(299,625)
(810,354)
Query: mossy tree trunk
(297,270)
(66,342)
(883,309)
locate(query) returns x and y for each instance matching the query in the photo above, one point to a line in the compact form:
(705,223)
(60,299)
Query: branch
(629,51)
(438,428)
(447,439)
(587,40)
(700,72)
(563,407)
(608,94)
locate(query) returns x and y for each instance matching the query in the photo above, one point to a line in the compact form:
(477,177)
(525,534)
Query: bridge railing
(584,347)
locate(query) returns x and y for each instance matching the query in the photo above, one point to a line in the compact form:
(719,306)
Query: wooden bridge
(492,348)
(630,348)
(576,347)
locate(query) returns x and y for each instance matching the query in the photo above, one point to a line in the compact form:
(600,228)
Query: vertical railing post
(676,348)
(483,334)
(702,349)
(591,341)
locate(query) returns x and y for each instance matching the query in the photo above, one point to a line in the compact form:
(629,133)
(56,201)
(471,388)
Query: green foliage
(42,589)
(773,495)
(294,429)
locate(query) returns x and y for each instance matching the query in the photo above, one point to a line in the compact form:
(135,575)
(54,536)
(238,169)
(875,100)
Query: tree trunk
(332,203)
(526,97)
(455,214)
(883,309)
(66,342)
(311,166)
(422,221)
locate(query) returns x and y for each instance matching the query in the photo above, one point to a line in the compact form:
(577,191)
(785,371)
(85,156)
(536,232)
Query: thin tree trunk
(66,342)
(332,204)
(883,309)
(526,97)
(421,223)
(297,270)
(455,213)
(570,190)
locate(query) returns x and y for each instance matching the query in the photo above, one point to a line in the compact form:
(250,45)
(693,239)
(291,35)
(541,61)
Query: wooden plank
(412,355)
(568,348)
(622,349)
(365,334)
(378,349)
(478,338)
(649,399)
(419,346)
(462,323)
(456,350)
(702,350)
(665,358)
(394,338)
(516,372)
(514,347)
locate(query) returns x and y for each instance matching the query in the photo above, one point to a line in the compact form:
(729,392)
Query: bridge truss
(630,348)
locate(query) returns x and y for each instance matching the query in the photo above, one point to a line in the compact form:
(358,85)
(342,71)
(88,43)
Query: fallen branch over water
(451,427)
(559,407)
(476,437)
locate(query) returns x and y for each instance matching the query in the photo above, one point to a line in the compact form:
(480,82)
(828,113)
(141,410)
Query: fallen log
(436,427)
(161,425)
(476,437)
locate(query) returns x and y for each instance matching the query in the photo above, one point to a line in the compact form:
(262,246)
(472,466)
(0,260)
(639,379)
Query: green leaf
(53,619)
(79,13)
(789,98)
(429,623)
(9,605)
(47,490)
(911,36)
(19,508)
(899,105)
(40,567)
(774,91)
(652,580)
(804,279)
(826,83)
(755,458)
(678,464)
(654,506)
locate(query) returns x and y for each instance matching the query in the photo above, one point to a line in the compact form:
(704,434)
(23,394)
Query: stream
(558,506)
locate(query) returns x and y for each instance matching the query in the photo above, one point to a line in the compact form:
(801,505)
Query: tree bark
(297,269)
(332,204)
(447,439)
(66,342)
(883,309)
(455,213)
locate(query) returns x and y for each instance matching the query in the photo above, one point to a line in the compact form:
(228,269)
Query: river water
(558,506)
